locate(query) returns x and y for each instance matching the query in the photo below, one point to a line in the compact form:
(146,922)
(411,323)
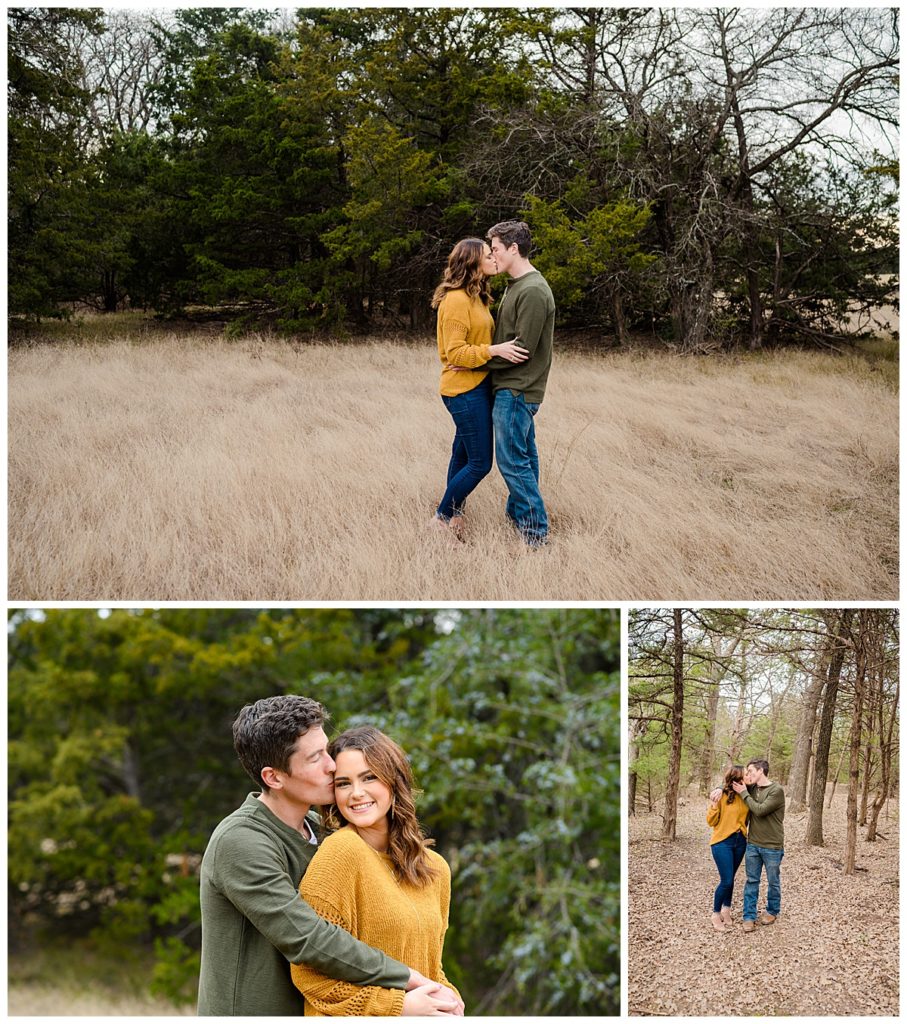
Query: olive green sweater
(526,312)
(254,923)
(766,806)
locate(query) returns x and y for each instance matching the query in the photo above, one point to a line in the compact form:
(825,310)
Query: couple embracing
(341,913)
(493,375)
(747,818)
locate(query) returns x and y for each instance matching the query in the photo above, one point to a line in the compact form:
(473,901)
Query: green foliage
(322,170)
(50,219)
(121,764)
(599,252)
(393,185)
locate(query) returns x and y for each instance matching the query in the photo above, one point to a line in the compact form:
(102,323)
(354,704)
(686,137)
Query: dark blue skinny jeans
(728,854)
(472,454)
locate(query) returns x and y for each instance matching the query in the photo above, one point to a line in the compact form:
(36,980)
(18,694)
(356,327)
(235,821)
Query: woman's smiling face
(361,797)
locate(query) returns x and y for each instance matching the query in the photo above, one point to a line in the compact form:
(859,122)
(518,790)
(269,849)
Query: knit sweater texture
(254,923)
(766,807)
(465,329)
(526,312)
(726,818)
(352,885)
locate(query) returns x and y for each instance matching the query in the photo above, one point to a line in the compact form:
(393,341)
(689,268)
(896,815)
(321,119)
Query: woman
(376,877)
(465,332)
(727,816)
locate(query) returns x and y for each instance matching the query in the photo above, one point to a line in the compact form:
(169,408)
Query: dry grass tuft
(180,470)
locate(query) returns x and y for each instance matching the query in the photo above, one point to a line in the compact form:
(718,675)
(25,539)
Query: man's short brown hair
(759,763)
(510,232)
(265,733)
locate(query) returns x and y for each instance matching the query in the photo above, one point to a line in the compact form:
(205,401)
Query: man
(765,841)
(526,314)
(254,922)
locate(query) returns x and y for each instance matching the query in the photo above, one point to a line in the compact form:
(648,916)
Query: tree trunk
(777,709)
(620,319)
(836,776)
(669,821)
(867,775)
(637,730)
(708,744)
(838,623)
(692,305)
(866,617)
(717,672)
(757,317)
(806,727)
(751,248)
(881,797)
(741,726)
(109,291)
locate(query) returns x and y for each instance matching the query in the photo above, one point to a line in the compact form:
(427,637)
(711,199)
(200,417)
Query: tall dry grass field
(181,469)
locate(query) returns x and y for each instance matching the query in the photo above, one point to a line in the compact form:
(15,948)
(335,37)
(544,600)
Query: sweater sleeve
(453,324)
(771,803)
(335,903)
(445,916)
(254,878)
(713,815)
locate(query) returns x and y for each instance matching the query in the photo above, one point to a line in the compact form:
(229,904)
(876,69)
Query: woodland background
(121,764)
(816,693)
(706,177)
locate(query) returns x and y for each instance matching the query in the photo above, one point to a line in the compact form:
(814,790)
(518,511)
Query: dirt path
(833,950)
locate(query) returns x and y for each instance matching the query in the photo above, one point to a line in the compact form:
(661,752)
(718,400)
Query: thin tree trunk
(838,624)
(620,318)
(837,775)
(669,821)
(708,743)
(741,725)
(717,672)
(637,730)
(881,798)
(865,618)
(806,727)
(867,776)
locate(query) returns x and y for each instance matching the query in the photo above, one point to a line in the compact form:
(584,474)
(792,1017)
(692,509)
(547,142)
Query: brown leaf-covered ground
(833,951)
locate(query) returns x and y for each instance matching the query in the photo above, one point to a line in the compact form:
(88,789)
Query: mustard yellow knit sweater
(465,335)
(726,819)
(352,885)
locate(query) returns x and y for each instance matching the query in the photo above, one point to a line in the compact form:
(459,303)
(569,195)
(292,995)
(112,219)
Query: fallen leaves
(832,952)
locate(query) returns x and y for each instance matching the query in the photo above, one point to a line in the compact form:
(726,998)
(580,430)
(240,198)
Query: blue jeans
(756,858)
(471,454)
(728,854)
(518,461)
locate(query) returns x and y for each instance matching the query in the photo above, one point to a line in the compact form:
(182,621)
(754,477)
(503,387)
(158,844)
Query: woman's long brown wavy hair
(407,843)
(733,774)
(464,270)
